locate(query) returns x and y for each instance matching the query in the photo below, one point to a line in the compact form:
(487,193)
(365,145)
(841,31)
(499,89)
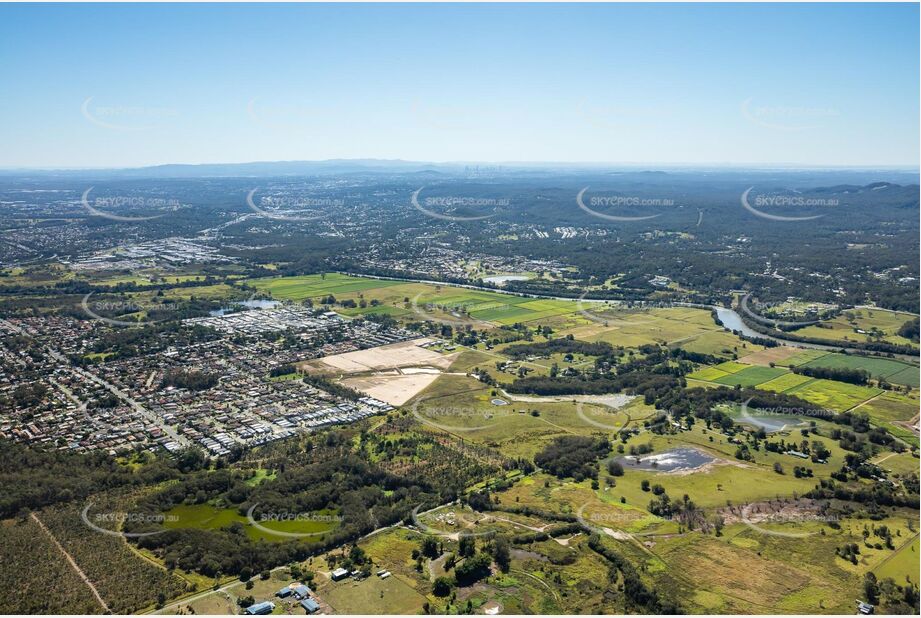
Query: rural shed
(339,574)
(256,609)
(310,606)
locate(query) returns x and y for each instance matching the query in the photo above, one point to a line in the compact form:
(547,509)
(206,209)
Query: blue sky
(131,85)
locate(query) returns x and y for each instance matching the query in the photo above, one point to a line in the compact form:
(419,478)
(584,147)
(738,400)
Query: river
(729,317)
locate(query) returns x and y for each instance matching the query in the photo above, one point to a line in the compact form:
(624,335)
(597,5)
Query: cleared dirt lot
(403,354)
(393,373)
(770,355)
(394,389)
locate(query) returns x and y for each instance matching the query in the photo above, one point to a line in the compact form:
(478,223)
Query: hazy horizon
(127,86)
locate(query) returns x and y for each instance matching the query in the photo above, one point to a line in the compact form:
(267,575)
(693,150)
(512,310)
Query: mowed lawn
(384,596)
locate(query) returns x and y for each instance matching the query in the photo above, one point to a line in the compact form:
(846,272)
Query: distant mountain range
(469,169)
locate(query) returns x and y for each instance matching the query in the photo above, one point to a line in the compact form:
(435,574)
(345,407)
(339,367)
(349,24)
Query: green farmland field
(785,382)
(837,396)
(891,370)
(751,376)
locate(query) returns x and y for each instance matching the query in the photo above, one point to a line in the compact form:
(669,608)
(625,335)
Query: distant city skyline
(116,86)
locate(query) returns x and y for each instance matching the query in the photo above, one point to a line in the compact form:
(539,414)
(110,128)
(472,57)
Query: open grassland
(315,286)
(713,487)
(895,412)
(464,407)
(550,577)
(902,565)
(744,569)
(400,298)
(718,445)
(903,464)
(218,291)
(208,517)
(402,593)
(709,569)
(844,327)
(372,595)
(636,327)
(715,575)
(720,343)
(892,407)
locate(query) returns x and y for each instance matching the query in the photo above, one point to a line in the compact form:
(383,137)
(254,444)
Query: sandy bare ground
(770,355)
(394,389)
(403,354)
(615,400)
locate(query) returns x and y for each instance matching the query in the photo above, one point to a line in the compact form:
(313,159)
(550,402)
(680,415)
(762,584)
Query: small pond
(667,461)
